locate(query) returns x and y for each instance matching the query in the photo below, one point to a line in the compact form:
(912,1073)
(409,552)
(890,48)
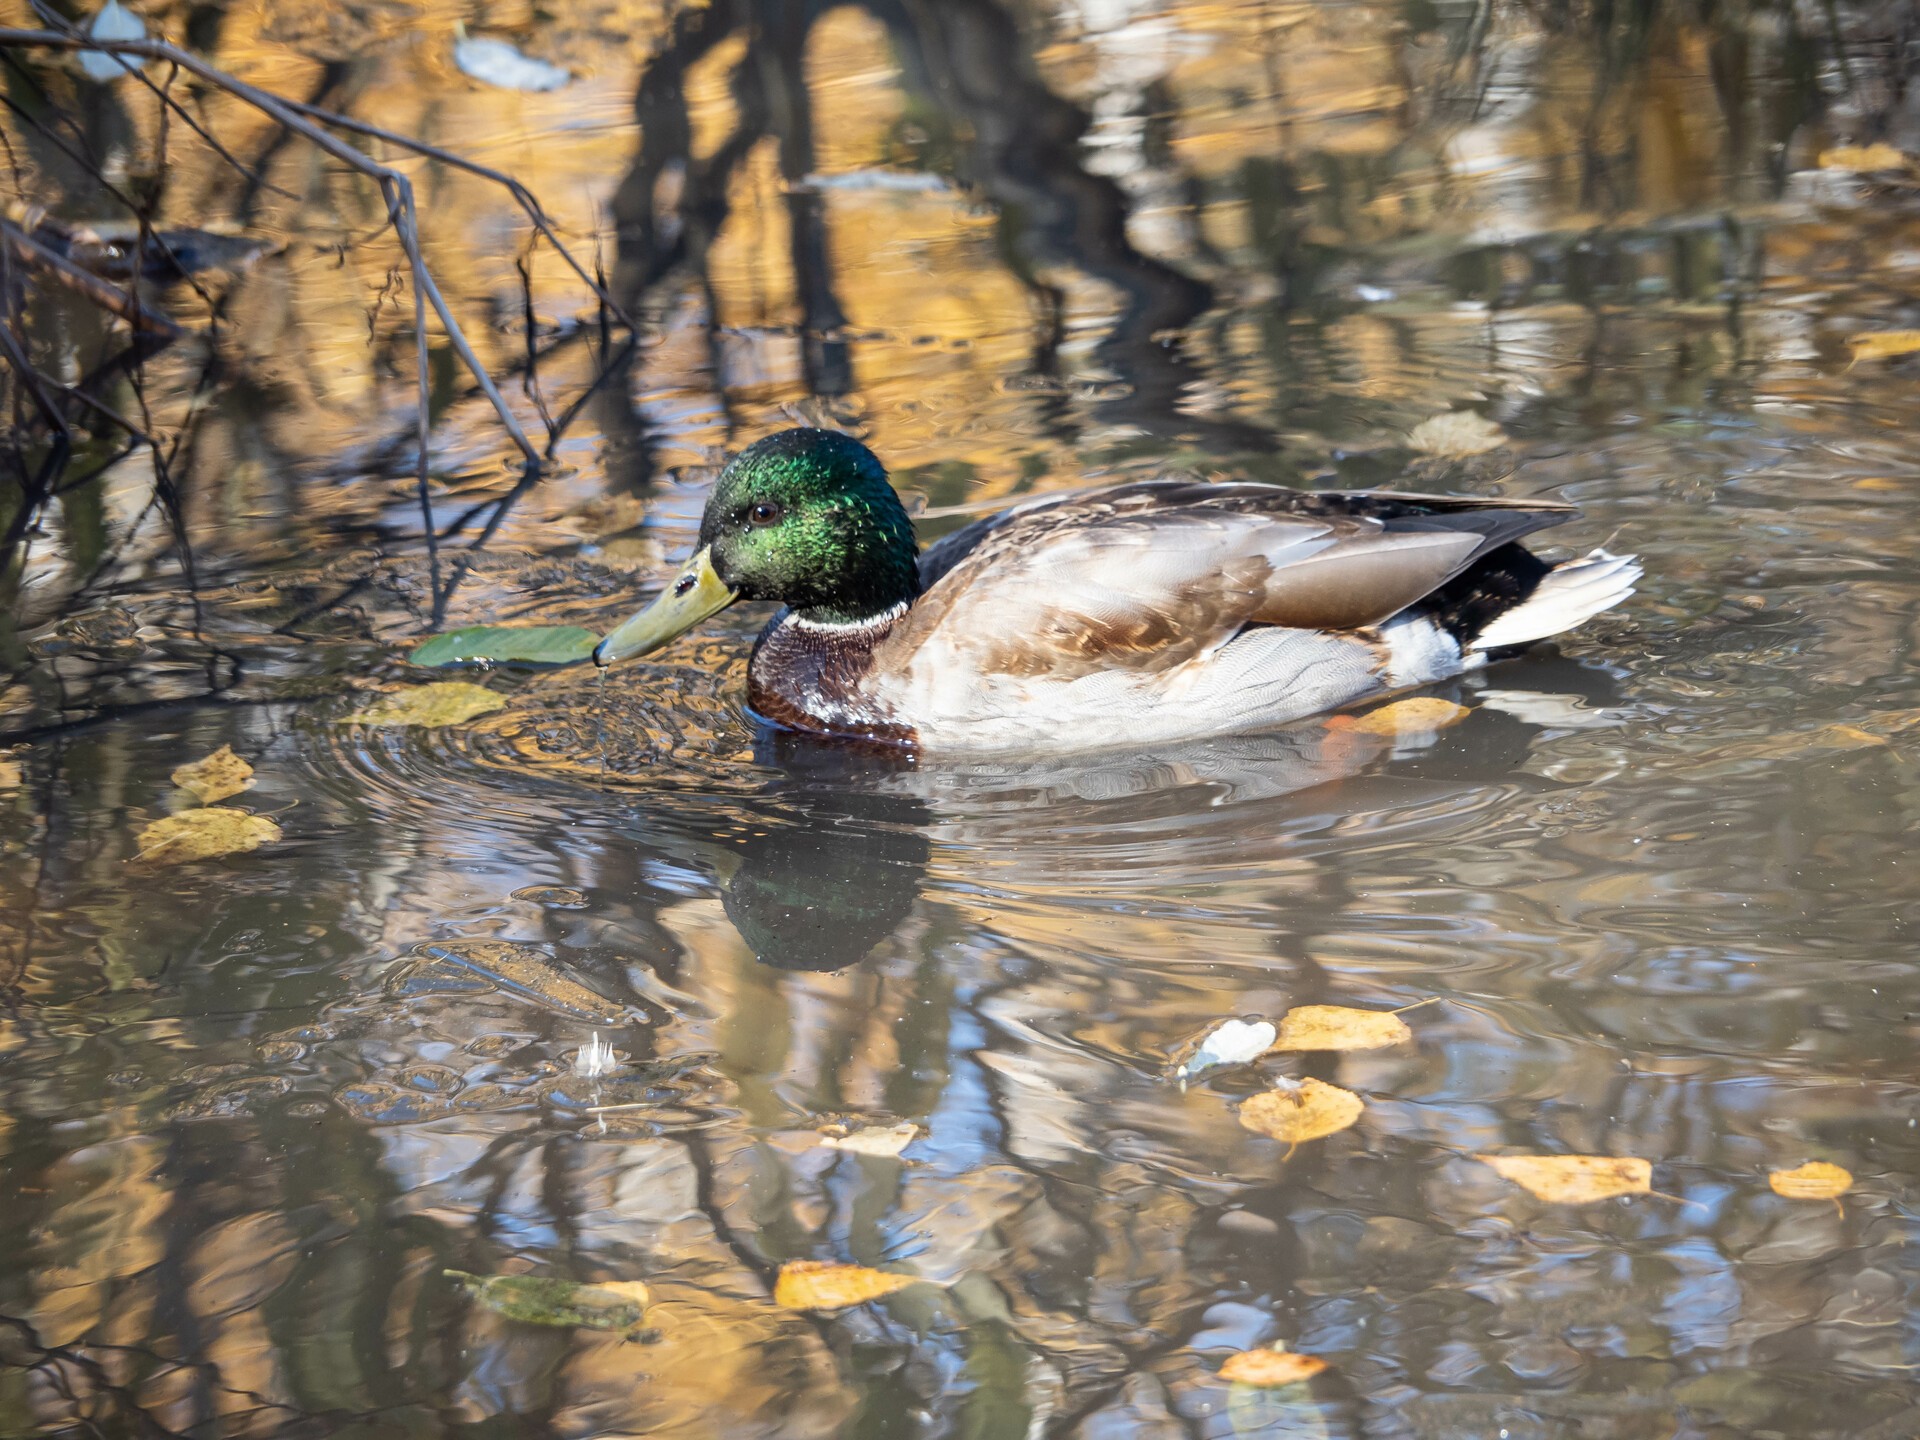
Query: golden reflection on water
(1659,888)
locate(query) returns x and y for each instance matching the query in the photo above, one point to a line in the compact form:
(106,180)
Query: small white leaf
(875,1140)
(114,22)
(494,62)
(1232,1042)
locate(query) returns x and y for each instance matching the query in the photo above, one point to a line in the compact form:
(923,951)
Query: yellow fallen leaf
(221,774)
(1883,345)
(1416,716)
(874,1139)
(10,775)
(445,702)
(1574,1179)
(1270,1368)
(823,1285)
(1307,1110)
(1457,435)
(204,835)
(1815,1180)
(1335,1027)
(1862,158)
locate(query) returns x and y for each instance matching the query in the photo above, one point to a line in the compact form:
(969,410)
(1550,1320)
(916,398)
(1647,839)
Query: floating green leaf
(543,1300)
(528,644)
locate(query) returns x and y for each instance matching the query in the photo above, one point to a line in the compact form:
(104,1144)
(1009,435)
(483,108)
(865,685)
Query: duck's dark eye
(765,513)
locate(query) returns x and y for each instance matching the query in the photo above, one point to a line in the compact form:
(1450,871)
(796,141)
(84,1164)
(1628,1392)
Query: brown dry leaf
(1336,1027)
(883,1140)
(1862,158)
(1815,1180)
(1574,1179)
(1307,1110)
(204,835)
(823,1285)
(1270,1368)
(221,774)
(1883,345)
(10,775)
(1420,715)
(445,702)
(1457,435)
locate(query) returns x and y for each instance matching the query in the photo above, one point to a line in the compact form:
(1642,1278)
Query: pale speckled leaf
(878,1140)
(220,775)
(1338,1027)
(1297,1111)
(204,834)
(445,702)
(1574,1179)
(1457,435)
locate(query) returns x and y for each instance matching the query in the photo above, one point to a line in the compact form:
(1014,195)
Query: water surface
(1657,891)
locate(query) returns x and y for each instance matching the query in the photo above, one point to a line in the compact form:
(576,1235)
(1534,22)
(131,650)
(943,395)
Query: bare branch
(397,187)
(525,197)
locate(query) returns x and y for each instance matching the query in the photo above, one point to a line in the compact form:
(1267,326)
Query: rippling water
(1655,896)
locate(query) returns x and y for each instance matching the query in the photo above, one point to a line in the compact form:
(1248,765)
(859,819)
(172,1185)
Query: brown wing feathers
(1150,574)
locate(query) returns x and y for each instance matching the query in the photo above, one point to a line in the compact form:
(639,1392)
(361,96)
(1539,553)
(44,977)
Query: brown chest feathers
(811,678)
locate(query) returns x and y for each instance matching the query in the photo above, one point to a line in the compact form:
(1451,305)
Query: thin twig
(397,187)
(423,421)
(513,187)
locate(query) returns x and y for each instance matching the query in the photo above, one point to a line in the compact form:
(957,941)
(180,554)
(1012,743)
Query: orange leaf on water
(1270,1368)
(823,1285)
(1815,1180)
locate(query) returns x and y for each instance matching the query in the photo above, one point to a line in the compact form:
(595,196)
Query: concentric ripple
(653,728)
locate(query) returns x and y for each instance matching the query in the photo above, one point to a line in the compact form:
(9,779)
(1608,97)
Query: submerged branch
(108,297)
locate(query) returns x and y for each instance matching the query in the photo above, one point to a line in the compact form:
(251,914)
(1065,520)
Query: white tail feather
(1568,595)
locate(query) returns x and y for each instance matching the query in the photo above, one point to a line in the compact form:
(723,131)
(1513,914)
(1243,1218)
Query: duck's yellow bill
(694,595)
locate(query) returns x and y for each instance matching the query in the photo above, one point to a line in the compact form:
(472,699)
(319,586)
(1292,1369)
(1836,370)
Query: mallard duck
(1151,611)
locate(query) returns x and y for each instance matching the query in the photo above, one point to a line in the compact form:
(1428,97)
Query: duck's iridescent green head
(805,517)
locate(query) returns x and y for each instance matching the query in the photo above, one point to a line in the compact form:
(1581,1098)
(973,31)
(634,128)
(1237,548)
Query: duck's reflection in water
(846,840)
